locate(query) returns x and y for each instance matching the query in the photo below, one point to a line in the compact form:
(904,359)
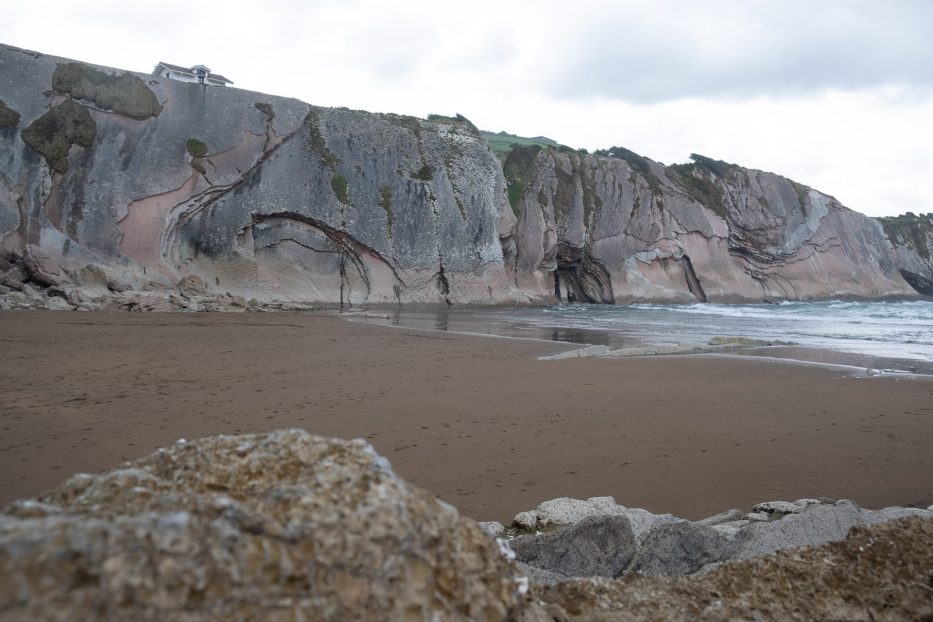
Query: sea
(886,336)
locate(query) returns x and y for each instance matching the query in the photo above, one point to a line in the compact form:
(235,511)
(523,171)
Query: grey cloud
(742,49)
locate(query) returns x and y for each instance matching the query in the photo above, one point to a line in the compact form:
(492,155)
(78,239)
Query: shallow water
(885,334)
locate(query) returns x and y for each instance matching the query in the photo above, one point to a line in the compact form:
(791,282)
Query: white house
(199,74)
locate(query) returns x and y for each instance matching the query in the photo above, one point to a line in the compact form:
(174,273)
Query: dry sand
(478,421)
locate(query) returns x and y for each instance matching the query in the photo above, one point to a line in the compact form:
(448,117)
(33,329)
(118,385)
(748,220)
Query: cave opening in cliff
(578,278)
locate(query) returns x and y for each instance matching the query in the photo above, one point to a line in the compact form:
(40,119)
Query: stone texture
(777,507)
(492,528)
(669,546)
(912,237)
(594,546)
(877,573)
(723,517)
(279,526)
(681,548)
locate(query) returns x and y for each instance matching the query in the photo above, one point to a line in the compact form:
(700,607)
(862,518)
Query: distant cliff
(912,236)
(139,183)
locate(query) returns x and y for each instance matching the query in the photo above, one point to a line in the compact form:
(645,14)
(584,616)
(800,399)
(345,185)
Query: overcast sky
(835,94)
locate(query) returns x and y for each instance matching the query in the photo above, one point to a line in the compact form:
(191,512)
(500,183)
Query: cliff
(114,182)
(912,236)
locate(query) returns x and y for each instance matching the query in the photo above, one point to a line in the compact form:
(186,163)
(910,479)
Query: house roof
(188,70)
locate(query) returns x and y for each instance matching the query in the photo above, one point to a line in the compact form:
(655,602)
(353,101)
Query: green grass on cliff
(53,134)
(911,229)
(340,187)
(122,93)
(502,143)
(700,179)
(459,119)
(519,169)
(385,202)
(196,148)
(639,164)
(8,116)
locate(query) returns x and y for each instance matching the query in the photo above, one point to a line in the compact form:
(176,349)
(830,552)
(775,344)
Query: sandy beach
(478,421)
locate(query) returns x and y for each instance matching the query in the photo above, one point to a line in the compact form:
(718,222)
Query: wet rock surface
(279,526)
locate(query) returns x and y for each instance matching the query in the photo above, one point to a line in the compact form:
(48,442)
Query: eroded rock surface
(912,236)
(279,526)
(152,181)
(880,572)
(635,540)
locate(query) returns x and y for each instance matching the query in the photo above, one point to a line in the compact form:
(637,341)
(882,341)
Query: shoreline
(479,422)
(779,351)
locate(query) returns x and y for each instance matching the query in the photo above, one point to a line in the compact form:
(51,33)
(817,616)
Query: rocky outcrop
(879,572)
(149,181)
(912,236)
(280,526)
(617,227)
(598,537)
(290,526)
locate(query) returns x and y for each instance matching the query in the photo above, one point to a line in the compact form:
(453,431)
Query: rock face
(150,181)
(280,526)
(598,537)
(881,572)
(617,227)
(912,236)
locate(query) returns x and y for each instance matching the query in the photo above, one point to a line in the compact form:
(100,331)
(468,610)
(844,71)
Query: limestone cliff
(912,236)
(113,181)
(617,227)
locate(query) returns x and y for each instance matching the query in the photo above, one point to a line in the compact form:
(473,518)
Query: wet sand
(478,421)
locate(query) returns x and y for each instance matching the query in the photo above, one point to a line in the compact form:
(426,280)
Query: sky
(836,94)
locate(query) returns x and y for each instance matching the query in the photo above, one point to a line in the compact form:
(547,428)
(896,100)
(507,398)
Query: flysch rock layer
(115,193)
(279,526)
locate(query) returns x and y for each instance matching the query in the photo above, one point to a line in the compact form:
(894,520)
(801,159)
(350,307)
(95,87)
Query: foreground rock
(289,526)
(280,526)
(879,572)
(598,537)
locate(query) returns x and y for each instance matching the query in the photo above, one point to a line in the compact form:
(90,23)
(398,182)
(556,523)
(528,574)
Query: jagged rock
(566,511)
(540,576)
(192,285)
(666,545)
(41,266)
(815,525)
(14,277)
(266,526)
(54,303)
(777,507)
(594,546)
(526,520)
(681,548)
(492,528)
(912,237)
(880,572)
(723,517)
